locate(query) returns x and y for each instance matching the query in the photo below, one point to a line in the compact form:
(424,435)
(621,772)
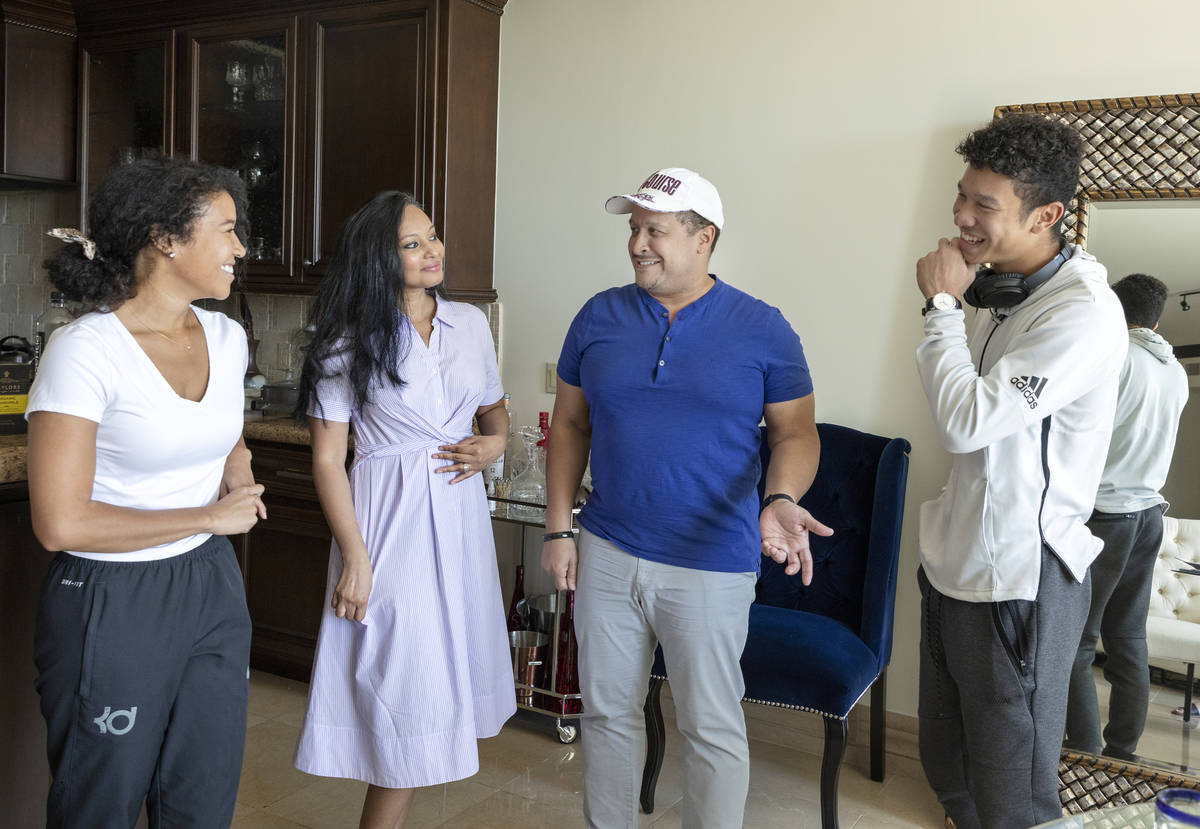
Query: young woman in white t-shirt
(138,471)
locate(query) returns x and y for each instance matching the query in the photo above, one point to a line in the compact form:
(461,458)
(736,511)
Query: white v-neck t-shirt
(155,450)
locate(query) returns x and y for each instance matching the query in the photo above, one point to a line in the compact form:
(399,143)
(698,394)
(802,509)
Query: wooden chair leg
(878,725)
(656,743)
(831,764)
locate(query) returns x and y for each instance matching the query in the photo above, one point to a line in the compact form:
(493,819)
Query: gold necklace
(160,333)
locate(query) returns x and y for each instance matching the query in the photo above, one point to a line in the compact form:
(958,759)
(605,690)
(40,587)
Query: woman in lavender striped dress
(412,662)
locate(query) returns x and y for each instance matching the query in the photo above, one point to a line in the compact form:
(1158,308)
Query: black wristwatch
(778,496)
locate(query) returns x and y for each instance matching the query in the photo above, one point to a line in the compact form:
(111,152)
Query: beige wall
(829,129)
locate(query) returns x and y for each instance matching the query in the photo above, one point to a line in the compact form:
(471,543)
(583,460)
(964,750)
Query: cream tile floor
(528,780)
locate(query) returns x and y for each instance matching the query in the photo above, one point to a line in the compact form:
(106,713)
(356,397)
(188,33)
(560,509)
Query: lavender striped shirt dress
(400,699)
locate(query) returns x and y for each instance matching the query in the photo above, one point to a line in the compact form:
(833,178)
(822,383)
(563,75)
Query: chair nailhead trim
(776,704)
(793,707)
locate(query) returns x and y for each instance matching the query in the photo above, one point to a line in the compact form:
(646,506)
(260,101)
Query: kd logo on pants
(107,721)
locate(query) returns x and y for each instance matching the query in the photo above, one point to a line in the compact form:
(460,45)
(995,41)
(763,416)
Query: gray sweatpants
(993,699)
(1122,579)
(623,607)
(142,672)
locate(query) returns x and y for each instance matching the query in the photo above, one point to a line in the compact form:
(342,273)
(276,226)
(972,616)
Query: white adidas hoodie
(1026,406)
(1153,392)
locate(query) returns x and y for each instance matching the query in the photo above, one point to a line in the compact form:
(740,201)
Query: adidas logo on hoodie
(1030,387)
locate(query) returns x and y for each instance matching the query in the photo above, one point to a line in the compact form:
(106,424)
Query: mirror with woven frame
(1138,210)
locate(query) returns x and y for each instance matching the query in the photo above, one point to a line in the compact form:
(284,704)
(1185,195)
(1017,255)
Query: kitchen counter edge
(282,430)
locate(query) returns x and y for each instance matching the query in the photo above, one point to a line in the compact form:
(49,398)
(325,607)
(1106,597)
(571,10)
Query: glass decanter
(530,484)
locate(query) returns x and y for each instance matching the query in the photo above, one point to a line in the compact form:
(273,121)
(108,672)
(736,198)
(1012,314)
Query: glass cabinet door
(125,115)
(240,117)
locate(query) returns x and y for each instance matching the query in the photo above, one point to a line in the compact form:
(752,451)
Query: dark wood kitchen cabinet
(284,561)
(320,104)
(24,773)
(37,99)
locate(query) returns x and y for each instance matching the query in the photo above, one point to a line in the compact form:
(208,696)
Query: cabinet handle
(291,474)
(308,263)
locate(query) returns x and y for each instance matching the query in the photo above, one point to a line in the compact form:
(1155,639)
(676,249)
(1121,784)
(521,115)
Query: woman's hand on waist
(470,455)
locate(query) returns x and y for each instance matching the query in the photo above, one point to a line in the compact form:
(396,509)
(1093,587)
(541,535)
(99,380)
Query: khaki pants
(624,606)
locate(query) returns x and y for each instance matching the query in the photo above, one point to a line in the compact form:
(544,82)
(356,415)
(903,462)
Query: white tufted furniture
(1173,626)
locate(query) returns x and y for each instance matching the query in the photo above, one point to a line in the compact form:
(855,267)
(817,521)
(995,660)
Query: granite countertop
(12,458)
(276,430)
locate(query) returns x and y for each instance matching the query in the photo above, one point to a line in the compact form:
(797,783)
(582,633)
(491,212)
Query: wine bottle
(514,616)
(567,681)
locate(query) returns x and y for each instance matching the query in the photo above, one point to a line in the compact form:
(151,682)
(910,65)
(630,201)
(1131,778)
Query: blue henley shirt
(675,410)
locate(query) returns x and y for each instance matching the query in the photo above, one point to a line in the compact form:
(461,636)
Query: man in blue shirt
(665,382)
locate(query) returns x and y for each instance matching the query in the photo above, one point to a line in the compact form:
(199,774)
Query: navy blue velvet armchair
(820,648)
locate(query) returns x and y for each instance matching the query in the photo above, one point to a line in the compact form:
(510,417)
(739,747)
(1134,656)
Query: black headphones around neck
(1004,290)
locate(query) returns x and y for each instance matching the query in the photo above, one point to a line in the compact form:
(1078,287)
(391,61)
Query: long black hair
(137,204)
(356,322)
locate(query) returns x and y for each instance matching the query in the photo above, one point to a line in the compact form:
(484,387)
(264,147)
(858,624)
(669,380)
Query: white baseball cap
(673,190)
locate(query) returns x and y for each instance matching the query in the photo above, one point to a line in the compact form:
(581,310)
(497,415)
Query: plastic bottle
(49,321)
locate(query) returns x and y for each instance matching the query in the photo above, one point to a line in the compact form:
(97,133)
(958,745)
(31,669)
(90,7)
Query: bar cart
(547,701)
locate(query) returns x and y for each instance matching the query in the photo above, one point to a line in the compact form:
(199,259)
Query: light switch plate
(551,378)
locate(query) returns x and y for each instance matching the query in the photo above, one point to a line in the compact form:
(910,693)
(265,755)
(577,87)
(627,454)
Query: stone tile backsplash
(24,289)
(278,319)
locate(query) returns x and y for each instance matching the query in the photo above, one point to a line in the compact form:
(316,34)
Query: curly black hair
(356,324)
(1142,297)
(138,203)
(1040,155)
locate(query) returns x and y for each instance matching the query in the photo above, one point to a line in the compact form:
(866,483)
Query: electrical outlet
(551,378)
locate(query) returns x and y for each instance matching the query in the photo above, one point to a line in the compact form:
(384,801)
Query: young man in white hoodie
(1023,396)
(1128,517)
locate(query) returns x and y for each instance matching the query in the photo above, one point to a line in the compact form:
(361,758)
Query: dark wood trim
(494,6)
(95,16)
(56,16)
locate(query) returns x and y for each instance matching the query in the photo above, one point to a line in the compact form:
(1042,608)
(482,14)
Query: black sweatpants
(143,675)
(993,699)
